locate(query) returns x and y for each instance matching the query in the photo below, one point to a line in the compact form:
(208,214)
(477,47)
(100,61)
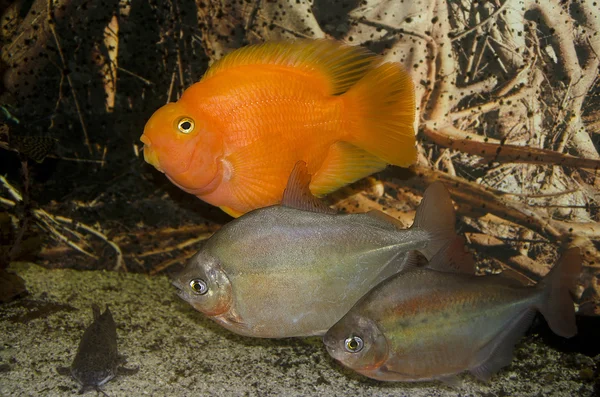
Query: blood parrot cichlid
(424,324)
(233,138)
(295,269)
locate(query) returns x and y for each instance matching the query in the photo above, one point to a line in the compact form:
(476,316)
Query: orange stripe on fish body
(234,137)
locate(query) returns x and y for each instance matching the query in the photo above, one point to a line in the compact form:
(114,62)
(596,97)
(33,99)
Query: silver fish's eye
(198,286)
(354,344)
(185,125)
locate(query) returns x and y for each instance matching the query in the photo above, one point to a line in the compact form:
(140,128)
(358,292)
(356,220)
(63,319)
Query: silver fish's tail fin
(436,215)
(557,305)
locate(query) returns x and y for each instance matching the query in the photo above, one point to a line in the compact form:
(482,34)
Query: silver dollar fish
(424,324)
(295,269)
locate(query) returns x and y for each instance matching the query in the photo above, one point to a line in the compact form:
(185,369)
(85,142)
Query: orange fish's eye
(185,125)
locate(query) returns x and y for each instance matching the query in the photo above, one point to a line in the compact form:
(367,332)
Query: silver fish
(424,324)
(295,269)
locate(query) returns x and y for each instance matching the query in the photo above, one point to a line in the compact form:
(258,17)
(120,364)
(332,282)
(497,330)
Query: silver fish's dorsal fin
(453,257)
(297,193)
(498,352)
(436,216)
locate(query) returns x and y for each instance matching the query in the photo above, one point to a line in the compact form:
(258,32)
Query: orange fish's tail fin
(381,108)
(557,304)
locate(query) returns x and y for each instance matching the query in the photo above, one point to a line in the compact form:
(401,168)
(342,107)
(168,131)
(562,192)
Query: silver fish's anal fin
(498,352)
(452,381)
(557,305)
(344,164)
(298,195)
(436,216)
(453,257)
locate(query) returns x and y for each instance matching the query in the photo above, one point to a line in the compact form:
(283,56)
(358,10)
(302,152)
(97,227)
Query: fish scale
(295,269)
(424,324)
(233,137)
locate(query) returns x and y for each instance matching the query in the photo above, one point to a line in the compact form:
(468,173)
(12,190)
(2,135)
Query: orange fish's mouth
(150,154)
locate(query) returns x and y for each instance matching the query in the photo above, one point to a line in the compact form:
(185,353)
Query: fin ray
(340,65)
(453,257)
(557,308)
(436,215)
(382,108)
(297,193)
(498,352)
(344,164)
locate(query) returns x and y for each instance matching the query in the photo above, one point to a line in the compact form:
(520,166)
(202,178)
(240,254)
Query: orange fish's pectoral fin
(256,178)
(340,65)
(231,212)
(344,164)
(297,193)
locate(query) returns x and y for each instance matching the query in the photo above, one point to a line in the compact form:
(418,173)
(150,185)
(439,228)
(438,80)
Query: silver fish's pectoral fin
(498,352)
(297,193)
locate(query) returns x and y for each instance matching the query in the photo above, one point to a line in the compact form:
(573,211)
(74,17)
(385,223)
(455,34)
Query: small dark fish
(34,147)
(97,360)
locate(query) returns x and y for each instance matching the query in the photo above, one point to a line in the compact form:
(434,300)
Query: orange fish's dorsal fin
(339,64)
(344,164)
(298,195)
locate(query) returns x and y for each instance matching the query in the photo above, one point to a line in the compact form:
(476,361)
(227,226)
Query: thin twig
(486,21)
(73,92)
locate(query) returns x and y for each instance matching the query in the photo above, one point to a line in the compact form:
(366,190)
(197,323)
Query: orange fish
(233,138)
